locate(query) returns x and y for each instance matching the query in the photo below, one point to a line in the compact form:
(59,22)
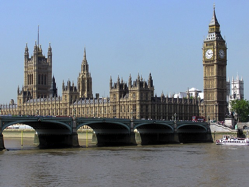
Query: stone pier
(1,142)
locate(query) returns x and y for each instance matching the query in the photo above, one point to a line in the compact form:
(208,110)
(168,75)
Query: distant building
(193,92)
(236,91)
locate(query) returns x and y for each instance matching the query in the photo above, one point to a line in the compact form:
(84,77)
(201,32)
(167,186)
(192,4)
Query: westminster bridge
(62,131)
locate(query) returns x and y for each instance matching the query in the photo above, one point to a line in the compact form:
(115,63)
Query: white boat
(228,140)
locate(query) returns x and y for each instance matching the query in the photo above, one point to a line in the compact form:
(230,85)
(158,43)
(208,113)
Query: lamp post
(204,110)
(74,112)
(174,118)
(216,111)
(132,125)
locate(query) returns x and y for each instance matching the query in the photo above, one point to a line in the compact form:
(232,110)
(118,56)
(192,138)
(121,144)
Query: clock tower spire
(214,69)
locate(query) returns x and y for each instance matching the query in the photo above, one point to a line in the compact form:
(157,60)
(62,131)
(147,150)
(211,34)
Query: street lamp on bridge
(74,112)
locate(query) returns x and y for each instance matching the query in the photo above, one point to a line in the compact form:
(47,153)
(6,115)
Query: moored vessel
(230,140)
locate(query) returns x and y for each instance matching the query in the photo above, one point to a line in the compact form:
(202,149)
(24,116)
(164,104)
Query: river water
(162,165)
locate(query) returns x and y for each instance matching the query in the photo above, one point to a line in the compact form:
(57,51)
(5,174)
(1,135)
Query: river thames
(161,165)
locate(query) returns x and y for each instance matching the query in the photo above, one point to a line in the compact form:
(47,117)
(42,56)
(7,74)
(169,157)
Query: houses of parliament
(133,99)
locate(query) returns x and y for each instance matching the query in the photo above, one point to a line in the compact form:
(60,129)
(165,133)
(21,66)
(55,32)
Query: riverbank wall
(84,134)
(30,133)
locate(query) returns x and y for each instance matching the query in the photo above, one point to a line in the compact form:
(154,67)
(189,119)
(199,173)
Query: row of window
(42,79)
(30,79)
(133,95)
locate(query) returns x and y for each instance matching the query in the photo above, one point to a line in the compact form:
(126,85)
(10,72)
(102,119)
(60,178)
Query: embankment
(29,133)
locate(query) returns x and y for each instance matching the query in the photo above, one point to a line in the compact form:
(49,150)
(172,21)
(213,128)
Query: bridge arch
(155,125)
(154,132)
(192,127)
(51,132)
(108,132)
(95,125)
(193,132)
(40,125)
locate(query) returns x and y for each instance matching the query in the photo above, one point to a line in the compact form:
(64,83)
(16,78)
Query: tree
(241,107)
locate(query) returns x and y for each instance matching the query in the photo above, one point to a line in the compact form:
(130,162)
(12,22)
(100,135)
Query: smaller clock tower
(214,72)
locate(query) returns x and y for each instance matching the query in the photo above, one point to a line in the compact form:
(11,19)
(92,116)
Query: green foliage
(190,97)
(241,107)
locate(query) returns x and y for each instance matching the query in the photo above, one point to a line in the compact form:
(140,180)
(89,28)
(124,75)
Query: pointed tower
(150,85)
(110,82)
(37,73)
(228,89)
(237,89)
(53,89)
(85,80)
(130,82)
(214,66)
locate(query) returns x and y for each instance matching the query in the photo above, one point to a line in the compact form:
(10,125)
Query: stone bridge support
(176,135)
(74,136)
(132,134)
(1,142)
(1,136)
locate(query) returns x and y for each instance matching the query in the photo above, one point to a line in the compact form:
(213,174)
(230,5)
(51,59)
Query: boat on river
(230,140)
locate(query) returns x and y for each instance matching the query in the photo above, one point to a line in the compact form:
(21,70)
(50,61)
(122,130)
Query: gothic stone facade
(133,100)
(214,66)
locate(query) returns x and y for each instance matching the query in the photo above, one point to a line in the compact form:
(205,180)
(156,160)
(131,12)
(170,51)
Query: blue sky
(126,37)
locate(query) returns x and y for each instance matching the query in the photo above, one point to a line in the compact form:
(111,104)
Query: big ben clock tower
(214,72)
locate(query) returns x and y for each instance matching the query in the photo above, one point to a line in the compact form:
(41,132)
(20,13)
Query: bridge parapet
(102,121)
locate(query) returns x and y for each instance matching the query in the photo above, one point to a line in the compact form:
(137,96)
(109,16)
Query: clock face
(221,53)
(209,54)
